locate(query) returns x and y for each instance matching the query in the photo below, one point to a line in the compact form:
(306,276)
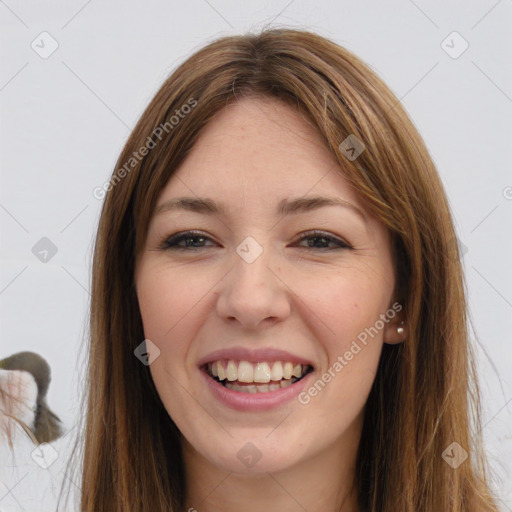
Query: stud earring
(400,330)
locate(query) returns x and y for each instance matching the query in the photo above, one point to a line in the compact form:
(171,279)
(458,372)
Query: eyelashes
(173,242)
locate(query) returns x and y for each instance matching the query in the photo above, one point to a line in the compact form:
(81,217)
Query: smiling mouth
(261,377)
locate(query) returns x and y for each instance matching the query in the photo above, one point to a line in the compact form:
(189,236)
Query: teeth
(245,371)
(260,388)
(287,370)
(261,372)
(277,371)
(220,370)
(231,372)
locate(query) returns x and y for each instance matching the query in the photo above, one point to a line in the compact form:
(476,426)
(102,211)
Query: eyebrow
(285,207)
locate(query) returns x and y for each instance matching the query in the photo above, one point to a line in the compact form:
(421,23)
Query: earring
(400,330)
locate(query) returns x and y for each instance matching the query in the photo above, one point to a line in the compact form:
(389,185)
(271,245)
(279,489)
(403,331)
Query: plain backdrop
(75,76)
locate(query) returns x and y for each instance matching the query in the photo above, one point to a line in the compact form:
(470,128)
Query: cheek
(173,304)
(168,302)
(167,298)
(345,303)
(343,311)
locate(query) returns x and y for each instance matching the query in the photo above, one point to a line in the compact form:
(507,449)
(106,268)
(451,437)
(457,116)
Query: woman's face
(271,286)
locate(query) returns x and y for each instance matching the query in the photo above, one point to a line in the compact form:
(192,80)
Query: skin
(309,301)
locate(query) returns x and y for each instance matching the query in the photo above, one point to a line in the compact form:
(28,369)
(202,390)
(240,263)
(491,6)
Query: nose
(253,294)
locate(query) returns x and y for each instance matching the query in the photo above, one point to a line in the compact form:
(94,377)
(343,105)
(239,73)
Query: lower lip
(241,401)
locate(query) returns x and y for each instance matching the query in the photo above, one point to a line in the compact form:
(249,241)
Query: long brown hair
(425,394)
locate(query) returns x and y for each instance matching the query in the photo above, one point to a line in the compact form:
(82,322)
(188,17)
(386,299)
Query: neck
(322,483)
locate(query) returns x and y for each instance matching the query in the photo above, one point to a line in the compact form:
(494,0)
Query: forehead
(258,148)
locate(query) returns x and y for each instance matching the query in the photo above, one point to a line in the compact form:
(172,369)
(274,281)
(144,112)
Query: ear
(396,330)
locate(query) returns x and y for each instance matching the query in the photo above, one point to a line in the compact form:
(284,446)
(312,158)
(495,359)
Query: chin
(253,453)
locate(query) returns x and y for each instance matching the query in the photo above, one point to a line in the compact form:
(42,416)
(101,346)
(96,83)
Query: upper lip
(253,356)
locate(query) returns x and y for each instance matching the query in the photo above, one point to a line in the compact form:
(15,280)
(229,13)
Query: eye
(189,238)
(320,239)
(194,240)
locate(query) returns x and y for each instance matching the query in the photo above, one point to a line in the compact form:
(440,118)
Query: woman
(278,315)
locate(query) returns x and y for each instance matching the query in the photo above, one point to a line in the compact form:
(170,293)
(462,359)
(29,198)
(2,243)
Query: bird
(24,381)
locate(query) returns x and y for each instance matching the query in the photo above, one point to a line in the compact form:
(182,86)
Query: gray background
(66,117)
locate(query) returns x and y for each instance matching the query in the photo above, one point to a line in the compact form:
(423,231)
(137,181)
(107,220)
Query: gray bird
(47,426)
